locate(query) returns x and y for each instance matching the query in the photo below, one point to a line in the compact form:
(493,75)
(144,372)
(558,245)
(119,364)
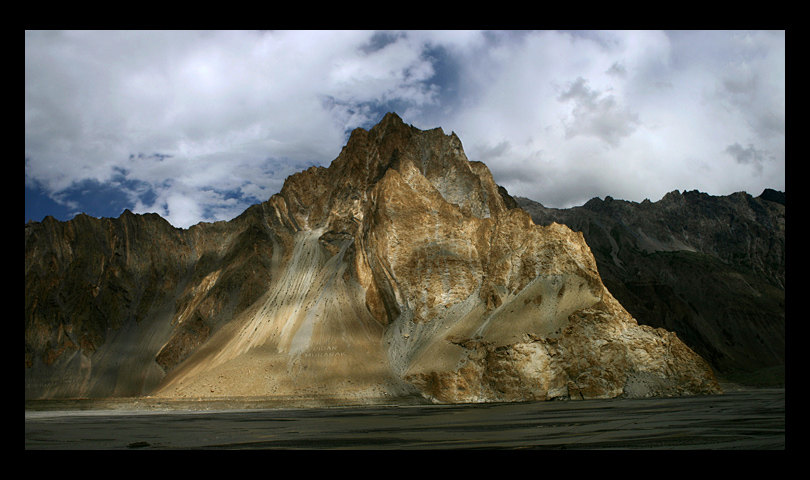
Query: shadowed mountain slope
(711,268)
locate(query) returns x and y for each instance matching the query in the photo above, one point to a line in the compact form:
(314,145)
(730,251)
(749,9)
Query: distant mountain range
(711,268)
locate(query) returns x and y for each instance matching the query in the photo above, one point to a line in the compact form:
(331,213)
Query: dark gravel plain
(745,419)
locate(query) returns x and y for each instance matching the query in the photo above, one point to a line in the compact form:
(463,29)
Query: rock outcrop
(400,270)
(711,268)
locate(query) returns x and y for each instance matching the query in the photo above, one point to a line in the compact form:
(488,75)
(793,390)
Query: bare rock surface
(711,268)
(402,269)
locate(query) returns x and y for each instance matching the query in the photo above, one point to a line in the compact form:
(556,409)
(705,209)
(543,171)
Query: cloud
(216,109)
(617,69)
(196,126)
(749,155)
(565,116)
(597,115)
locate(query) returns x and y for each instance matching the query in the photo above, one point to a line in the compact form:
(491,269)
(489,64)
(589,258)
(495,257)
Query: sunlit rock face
(402,270)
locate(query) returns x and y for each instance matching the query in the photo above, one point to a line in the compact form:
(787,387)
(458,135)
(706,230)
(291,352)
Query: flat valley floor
(745,419)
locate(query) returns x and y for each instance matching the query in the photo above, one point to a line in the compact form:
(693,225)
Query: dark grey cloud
(597,114)
(617,69)
(749,155)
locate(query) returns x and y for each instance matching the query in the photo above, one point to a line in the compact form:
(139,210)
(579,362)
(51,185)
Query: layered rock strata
(401,269)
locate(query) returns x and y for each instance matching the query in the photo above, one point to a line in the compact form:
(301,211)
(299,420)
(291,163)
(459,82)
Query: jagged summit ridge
(311,196)
(401,269)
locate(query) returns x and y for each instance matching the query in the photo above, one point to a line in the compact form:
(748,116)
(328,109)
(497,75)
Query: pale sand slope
(309,335)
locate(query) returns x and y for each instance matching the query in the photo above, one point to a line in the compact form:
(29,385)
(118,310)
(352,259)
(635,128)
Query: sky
(199,125)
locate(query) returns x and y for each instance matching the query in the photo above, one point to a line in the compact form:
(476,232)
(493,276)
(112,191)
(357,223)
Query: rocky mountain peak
(401,269)
(318,196)
(773,196)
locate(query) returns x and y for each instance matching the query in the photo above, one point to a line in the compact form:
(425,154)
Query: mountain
(711,268)
(401,271)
